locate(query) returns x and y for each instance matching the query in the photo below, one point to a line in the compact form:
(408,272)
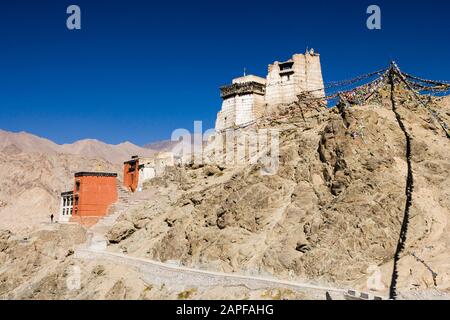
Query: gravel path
(181,278)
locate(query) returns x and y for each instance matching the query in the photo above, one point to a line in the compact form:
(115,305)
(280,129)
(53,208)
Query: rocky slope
(43,266)
(331,214)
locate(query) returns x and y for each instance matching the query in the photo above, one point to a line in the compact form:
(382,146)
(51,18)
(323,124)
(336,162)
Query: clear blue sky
(139,69)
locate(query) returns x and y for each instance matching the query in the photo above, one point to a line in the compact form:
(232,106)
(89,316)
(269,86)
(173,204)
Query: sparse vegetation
(187,294)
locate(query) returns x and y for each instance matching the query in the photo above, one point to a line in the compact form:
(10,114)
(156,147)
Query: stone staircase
(96,235)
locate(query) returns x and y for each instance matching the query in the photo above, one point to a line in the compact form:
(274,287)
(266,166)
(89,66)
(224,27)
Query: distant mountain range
(34,171)
(11,142)
(161,146)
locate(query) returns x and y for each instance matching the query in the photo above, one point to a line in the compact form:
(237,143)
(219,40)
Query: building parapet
(95,174)
(242,89)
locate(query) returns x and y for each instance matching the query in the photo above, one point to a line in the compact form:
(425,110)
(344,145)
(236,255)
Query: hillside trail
(155,272)
(152,271)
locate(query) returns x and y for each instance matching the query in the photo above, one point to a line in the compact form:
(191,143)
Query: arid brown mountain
(90,148)
(113,153)
(161,146)
(26,142)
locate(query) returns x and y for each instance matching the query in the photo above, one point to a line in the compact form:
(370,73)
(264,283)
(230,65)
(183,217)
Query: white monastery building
(247,98)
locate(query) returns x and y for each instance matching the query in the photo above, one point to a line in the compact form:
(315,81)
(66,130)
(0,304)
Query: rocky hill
(331,214)
(333,211)
(25,142)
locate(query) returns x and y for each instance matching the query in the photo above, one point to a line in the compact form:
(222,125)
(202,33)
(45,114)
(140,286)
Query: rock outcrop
(331,213)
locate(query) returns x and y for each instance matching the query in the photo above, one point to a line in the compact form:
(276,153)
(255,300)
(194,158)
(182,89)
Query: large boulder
(120,231)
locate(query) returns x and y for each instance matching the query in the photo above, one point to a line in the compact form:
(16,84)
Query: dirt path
(181,278)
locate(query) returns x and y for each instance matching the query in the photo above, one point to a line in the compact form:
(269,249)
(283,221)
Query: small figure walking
(51,218)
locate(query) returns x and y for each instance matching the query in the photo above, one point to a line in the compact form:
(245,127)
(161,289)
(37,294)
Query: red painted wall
(96,193)
(131,175)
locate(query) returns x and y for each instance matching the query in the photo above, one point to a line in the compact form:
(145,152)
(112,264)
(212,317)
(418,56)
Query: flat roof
(67,193)
(95,174)
(140,159)
(249,78)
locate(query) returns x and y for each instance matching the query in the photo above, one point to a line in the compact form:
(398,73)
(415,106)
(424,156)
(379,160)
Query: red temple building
(131,173)
(92,196)
(138,170)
